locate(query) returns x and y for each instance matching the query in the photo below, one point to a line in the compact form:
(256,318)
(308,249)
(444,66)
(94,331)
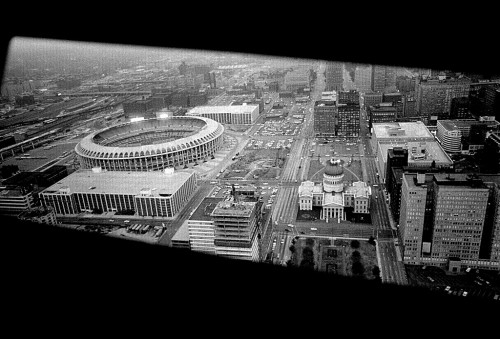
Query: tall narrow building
(334,76)
(236,227)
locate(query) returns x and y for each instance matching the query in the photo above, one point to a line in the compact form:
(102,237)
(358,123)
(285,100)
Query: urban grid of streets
(285,207)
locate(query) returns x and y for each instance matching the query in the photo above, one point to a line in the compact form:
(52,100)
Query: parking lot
(471,284)
(269,144)
(287,126)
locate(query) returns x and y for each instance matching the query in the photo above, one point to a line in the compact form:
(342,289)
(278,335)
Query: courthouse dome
(333,167)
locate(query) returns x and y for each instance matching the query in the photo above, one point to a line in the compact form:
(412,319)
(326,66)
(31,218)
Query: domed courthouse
(332,195)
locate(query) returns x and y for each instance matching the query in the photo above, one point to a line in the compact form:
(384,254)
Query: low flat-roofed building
(420,154)
(181,237)
(201,226)
(147,193)
(387,132)
(237,114)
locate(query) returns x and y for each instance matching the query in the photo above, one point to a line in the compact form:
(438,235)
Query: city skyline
(80,120)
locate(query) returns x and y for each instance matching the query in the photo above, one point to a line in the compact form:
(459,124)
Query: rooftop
(229,208)
(333,198)
(457,124)
(359,189)
(309,187)
(182,233)
(433,151)
(402,130)
(120,182)
(205,209)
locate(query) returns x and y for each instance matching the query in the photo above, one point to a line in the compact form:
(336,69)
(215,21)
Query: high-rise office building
(348,114)
(383,79)
(408,106)
(383,112)
(363,78)
(459,108)
(325,119)
(443,219)
(396,157)
(334,76)
(434,95)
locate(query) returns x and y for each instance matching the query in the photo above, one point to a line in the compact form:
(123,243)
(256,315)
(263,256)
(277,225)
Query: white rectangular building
(147,193)
(236,115)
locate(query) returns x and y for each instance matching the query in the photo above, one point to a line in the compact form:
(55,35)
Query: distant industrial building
(146,193)
(25,99)
(241,115)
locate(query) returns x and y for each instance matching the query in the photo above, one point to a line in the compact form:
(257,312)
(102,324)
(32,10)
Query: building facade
(332,196)
(334,76)
(433,96)
(236,115)
(325,119)
(443,219)
(348,120)
(363,78)
(146,193)
(236,226)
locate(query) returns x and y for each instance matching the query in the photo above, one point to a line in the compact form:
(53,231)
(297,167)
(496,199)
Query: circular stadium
(152,144)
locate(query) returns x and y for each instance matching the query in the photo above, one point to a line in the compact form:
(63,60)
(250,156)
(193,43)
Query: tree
(355,244)
(371,240)
(356,256)
(358,269)
(292,249)
(376,271)
(310,242)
